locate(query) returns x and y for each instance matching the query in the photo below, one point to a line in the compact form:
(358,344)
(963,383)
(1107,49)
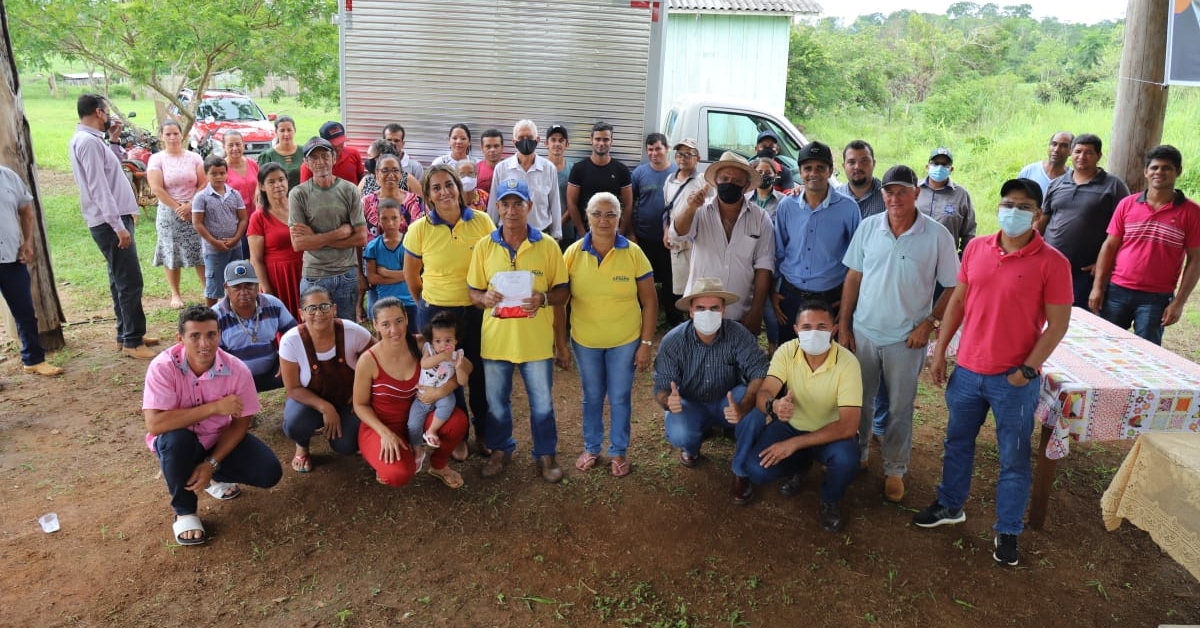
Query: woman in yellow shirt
(614,310)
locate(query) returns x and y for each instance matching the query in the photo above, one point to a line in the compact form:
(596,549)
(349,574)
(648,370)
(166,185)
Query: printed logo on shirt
(949,208)
(622,278)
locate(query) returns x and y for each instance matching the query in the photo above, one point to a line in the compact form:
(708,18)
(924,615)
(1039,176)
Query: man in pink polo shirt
(198,402)
(1149,236)
(1013,302)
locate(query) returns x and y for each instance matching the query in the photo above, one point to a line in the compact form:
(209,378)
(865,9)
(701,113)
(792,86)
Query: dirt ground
(662,547)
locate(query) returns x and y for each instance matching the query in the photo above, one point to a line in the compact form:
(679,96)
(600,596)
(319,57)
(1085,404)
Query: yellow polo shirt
(445,253)
(605,311)
(518,340)
(818,394)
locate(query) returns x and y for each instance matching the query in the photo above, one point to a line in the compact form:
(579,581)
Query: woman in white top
(460,146)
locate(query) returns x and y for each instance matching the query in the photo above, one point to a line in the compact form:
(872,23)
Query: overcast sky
(1077,11)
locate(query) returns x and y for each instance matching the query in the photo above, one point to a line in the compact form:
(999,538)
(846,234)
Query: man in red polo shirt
(1149,236)
(347,161)
(1010,286)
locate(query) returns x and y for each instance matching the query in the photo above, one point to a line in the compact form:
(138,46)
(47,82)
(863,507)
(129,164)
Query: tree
(170,45)
(17,154)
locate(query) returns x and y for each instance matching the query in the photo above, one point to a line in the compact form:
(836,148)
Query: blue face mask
(1014,222)
(939,173)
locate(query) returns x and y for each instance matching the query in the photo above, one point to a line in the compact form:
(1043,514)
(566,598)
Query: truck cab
(723,124)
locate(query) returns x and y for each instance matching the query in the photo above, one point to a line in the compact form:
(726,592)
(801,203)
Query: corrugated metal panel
(743,56)
(428,65)
(790,7)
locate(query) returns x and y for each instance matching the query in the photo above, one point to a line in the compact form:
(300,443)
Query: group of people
(479,269)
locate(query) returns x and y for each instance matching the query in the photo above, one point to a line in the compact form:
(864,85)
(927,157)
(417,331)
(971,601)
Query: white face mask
(707,322)
(814,341)
(469,184)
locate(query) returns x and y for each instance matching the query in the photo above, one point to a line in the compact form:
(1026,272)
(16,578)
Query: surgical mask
(814,341)
(729,192)
(369,163)
(707,322)
(1014,222)
(526,146)
(469,184)
(939,173)
(767,182)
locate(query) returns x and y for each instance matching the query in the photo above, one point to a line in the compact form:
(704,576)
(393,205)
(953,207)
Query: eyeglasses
(687,155)
(318,307)
(604,215)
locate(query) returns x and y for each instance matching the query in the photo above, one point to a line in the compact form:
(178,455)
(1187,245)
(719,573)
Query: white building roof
(788,7)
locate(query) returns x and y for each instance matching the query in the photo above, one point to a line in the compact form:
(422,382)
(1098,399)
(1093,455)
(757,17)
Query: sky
(1076,11)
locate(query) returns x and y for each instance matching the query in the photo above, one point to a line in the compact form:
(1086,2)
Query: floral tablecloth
(1104,383)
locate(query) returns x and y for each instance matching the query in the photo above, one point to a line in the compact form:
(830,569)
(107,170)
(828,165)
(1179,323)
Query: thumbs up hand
(674,401)
(732,413)
(784,407)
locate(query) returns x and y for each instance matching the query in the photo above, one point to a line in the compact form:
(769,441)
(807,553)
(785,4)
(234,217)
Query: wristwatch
(648,343)
(545,299)
(213,461)
(937,324)
(771,409)
(1028,372)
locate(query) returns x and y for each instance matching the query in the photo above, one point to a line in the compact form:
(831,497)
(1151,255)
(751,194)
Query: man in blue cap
(945,201)
(767,146)
(521,335)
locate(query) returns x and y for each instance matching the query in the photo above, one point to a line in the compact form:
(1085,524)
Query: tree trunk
(16,152)
(1141,97)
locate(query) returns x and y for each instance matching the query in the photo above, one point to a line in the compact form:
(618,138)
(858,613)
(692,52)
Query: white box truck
(429,65)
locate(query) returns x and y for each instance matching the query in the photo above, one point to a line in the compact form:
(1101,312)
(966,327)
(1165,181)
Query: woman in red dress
(385,384)
(275,262)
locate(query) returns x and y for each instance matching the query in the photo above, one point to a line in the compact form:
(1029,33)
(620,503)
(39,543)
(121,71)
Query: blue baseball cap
(510,187)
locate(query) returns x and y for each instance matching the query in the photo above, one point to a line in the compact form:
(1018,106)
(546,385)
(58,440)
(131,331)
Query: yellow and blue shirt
(445,251)
(817,394)
(605,311)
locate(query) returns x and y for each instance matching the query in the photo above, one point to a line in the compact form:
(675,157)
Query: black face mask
(768,152)
(729,193)
(526,146)
(766,183)
(369,163)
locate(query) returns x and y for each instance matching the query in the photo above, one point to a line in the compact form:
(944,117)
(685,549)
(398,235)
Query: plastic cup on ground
(49,522)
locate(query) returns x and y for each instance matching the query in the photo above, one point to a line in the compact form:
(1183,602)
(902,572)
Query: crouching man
(817,420)
(198,401)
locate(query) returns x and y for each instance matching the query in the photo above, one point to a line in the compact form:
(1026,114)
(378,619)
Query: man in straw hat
(708,370)
(732,238)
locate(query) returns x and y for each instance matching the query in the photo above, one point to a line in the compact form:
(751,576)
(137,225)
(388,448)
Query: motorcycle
(139,144)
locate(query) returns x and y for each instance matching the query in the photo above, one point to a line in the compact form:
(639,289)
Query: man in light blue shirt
(812,232)
(895,260)
(1055,165)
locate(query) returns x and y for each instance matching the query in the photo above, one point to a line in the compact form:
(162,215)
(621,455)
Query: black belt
(833,294)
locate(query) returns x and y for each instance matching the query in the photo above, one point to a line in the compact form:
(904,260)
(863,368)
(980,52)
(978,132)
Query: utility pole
(16,152)
(1141,92)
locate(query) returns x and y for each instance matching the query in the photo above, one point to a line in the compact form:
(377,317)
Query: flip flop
(419,460)
(188,523)
(460,452)
(586,461)
(301,464)
(223,490)
(621,467)
(448,476)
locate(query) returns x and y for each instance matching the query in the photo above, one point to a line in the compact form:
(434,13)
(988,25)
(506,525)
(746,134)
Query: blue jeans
(343,289)
(1081,286)
(301,423)
(124,282)
(179,452)
(686,430)
(606,372)
(899,366)
(470,326)
(969,395)
(16,290)
(754,434)
(214,270)
(1124,307)
(538,377)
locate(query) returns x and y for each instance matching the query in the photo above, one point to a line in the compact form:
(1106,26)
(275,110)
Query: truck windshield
(738,132)
(229,109)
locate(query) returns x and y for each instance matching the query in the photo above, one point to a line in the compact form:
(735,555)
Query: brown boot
(551,472)
(496,463)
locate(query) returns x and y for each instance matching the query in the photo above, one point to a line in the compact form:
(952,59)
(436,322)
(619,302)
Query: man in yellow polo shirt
(520,337)
(816,420)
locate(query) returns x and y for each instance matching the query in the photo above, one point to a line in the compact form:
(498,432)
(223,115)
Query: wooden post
(1141,95)
(16,152)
